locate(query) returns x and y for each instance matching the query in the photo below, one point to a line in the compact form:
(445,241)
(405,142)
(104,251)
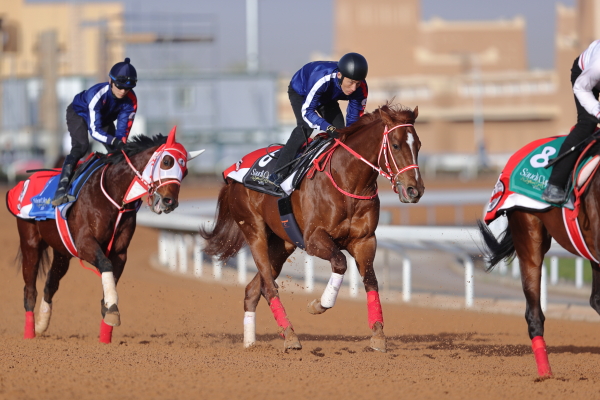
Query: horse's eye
(168,161)
(395,146)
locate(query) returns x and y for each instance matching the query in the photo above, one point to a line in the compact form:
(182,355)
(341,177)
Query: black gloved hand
(118,144)
(332,132)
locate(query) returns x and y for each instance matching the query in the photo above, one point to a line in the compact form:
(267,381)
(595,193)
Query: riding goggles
(124,82)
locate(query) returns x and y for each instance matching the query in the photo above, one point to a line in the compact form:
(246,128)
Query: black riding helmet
(353,66)
(123,74)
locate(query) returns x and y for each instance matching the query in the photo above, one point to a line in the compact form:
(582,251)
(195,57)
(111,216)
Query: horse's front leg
(321,245)
(363,251)
(532,241)
(92,253)
(595,296)
(109,308)
(118,263)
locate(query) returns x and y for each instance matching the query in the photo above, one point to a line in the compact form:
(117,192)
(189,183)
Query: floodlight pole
(252,36)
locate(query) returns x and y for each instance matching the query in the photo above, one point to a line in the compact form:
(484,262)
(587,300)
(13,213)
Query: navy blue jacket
(100,107)
(317,82)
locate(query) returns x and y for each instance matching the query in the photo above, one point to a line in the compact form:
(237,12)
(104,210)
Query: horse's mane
(396,112)
(134,146)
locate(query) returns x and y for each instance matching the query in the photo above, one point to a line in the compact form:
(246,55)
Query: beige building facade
(470,80)
(88,37)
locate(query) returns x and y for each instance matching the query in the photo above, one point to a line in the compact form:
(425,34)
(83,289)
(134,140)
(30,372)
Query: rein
(325,160)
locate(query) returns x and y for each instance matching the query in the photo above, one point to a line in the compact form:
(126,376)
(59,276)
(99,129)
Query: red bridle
(385,149)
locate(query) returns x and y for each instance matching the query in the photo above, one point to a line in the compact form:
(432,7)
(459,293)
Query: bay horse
(336,209)
(528,236)
(101,224)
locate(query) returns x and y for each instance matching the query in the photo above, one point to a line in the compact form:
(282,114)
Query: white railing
(179,245)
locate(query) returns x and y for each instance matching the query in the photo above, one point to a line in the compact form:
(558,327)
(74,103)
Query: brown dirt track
(182,338)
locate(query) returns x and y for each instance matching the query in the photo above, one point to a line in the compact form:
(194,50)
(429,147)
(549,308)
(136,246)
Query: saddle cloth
(524,179)
(31,199)
(254,169)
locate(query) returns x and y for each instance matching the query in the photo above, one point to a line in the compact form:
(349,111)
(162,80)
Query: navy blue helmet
(123,74)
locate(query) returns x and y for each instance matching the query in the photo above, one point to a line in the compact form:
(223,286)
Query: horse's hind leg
(278,251)
(250,303)
(532,241)
(60,266)
(32,253)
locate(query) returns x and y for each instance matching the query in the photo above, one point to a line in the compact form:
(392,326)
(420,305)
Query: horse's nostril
(167,201)
(412,192)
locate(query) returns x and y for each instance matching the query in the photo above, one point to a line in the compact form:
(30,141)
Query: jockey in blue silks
(314,92)
(94,111)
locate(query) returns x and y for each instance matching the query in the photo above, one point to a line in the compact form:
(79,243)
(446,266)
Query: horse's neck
(367,143)
(119,176)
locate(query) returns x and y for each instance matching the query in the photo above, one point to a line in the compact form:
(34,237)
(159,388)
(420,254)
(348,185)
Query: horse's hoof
(291,340)
(112,316)
(315,307)
(378,341)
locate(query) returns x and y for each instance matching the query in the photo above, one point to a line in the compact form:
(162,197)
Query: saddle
(254,169)
(524,178)
(31,199)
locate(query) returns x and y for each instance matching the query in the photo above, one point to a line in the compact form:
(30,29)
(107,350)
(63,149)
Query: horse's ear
(171,137)
(385,117)
(416,112)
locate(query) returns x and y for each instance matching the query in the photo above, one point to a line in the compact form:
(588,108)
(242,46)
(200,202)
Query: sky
(291,31)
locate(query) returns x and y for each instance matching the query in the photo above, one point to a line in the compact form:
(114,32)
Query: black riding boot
(287,153)
(61,196)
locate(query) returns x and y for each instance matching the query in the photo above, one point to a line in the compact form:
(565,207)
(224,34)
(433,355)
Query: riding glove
(332,132)
(117,144)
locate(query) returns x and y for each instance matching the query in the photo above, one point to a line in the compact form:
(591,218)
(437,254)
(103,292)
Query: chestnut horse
(529,235)
(337,209)
(101,223)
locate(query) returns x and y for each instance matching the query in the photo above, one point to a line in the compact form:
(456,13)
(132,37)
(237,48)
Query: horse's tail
(43,267)
(495,251)
(226,238)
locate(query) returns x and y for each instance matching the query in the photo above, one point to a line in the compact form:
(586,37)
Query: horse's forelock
(399,113)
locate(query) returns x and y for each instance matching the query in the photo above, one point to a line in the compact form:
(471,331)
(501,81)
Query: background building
(478,99)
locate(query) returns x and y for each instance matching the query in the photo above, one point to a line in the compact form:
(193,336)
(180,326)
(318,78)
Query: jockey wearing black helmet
(94,111)
(314,92)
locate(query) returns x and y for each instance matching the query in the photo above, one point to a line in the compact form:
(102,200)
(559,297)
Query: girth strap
(289,222)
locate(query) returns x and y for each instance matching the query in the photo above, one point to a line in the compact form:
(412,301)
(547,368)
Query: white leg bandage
(110,289)
(43,317)
(249,328)
(331,291)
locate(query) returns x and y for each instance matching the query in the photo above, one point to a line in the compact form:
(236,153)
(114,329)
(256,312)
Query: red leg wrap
(541,356)
(29,325)
(105,332)
(374,308)
(279,313)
